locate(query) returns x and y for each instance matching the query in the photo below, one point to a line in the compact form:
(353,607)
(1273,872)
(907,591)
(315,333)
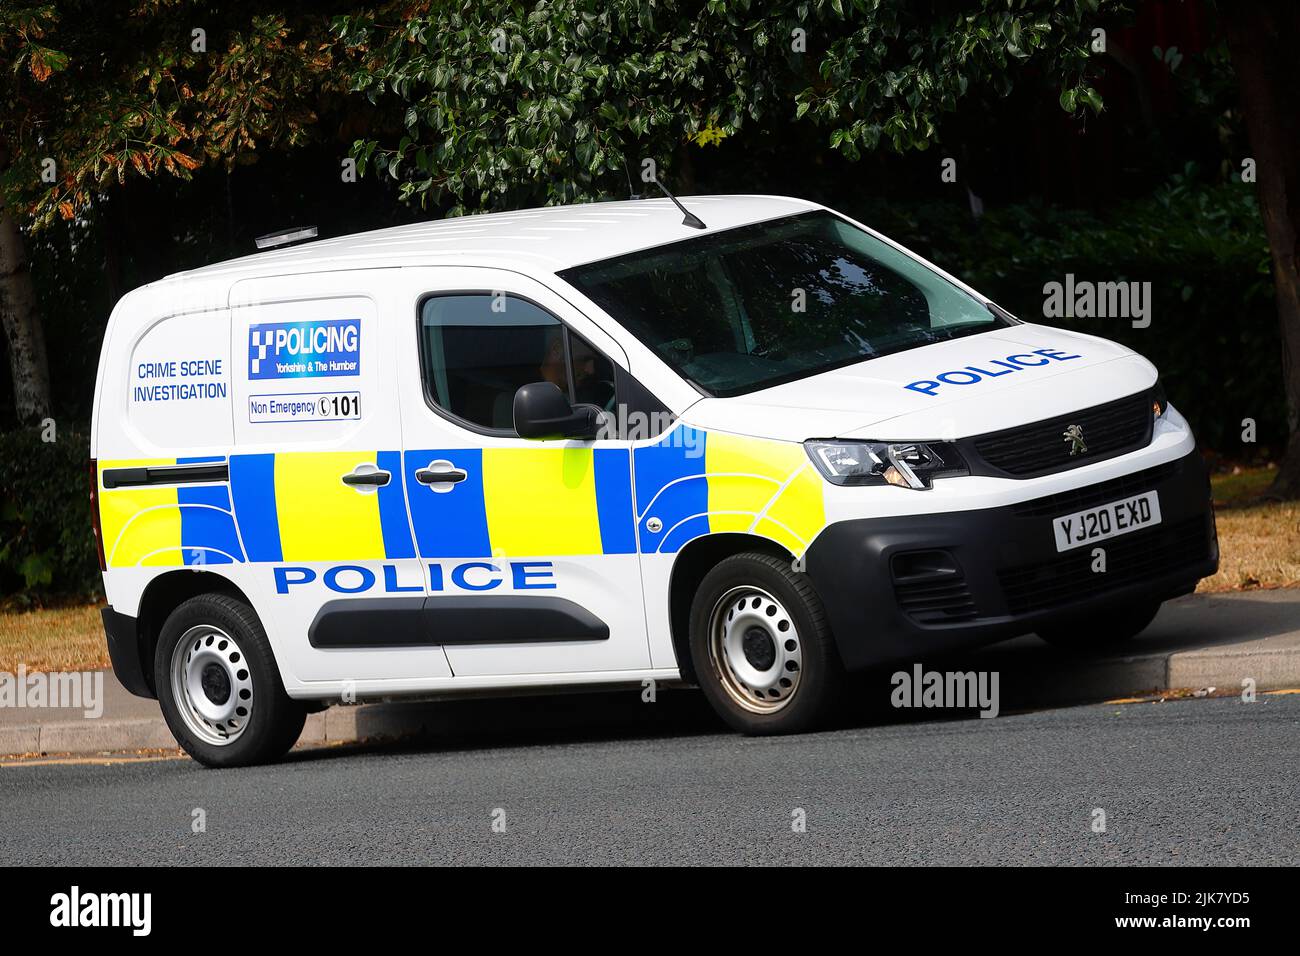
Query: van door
(317,479)
(530,546)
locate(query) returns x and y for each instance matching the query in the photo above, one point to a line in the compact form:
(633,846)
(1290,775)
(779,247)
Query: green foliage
(47,547)
(111,94)
(507,103)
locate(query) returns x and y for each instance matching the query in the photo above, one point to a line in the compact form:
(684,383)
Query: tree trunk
(1262,37)
(22,325)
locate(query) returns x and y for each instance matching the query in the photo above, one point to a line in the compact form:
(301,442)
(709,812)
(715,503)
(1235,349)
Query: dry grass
(1259,543)
(65,639)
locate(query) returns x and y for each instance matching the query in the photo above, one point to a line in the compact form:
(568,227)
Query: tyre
(762,649)
(219,687)
(1102,631)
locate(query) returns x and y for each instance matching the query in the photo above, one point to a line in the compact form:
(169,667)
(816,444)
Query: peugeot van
(753,450)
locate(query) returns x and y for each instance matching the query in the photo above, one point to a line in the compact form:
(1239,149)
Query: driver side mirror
(542,411)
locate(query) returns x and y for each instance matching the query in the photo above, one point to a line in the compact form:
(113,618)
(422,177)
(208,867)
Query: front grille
(1130,558)
(931,589)
(1076,499)
(1041,447)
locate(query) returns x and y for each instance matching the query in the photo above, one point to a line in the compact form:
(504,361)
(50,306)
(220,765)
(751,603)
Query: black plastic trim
(979,465)
(370,622)
(849,564)
(446,621)
(166,474)
(123,634)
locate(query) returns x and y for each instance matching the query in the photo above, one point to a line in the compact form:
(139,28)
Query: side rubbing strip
(433,622)
(370,622)
(511,620)
(166,475)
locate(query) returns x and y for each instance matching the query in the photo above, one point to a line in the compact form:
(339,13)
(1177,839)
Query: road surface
(604,779)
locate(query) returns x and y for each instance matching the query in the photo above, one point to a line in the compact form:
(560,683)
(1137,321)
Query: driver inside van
(588,387)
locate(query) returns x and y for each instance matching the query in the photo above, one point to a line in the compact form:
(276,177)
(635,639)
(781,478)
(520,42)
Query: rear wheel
(1102,631)
(762,650)
(219,687)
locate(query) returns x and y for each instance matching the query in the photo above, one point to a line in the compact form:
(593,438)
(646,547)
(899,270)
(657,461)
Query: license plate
(1106,521)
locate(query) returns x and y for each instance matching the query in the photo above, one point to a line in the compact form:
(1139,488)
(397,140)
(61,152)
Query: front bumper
(899,587)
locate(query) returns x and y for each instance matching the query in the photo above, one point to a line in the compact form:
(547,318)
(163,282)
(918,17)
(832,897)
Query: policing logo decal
(304,349)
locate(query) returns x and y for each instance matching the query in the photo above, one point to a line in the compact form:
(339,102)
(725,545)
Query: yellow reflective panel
(140,525)
(541,501)
(753,477)
(320,518)
(801,506)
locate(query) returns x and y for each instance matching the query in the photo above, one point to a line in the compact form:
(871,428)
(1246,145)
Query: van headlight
(904,464)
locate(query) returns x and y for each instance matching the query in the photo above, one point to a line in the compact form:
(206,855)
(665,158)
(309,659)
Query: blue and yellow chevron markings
(524,502)
(208,534)
(764,487)
(671,486)
(450,524)
(694,484)
(393,520)
(295,507)
(252,485)
(169,525)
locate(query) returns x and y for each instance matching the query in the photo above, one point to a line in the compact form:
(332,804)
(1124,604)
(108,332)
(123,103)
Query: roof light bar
(285,237)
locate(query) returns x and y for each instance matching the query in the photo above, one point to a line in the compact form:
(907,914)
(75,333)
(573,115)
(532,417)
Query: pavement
(1196,643)
(603,779)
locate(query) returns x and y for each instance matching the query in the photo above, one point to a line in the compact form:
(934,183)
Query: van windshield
(752,307)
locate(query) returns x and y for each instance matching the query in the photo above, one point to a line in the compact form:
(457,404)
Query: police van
(753,450)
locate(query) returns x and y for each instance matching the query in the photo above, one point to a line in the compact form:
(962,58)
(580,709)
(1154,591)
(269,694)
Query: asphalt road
(600,780)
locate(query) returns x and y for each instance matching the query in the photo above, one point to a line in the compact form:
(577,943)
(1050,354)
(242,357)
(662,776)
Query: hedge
(1214,329)
(47,547)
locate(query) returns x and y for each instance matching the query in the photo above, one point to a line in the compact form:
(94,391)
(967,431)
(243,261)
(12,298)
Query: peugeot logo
(1074,435)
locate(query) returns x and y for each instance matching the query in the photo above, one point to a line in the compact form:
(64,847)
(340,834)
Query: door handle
(368,475)
(440,476)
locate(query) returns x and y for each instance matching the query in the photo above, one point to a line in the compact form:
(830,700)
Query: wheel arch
(696,558)
(163,595)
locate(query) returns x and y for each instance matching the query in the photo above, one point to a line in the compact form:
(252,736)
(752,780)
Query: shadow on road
(1030,675)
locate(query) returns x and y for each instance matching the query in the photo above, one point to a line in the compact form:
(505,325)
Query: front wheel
(219,687)
(762,649)
(1102,631)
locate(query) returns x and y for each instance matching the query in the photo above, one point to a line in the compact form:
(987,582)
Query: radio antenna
(690,219)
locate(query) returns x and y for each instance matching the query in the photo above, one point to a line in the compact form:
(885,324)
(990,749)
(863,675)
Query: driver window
(593,374)
(477,349)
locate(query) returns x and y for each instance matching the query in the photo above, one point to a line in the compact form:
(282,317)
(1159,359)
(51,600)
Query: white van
(600,445)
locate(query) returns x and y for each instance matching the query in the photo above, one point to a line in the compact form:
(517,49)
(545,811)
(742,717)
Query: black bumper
(900,587)
(124,651)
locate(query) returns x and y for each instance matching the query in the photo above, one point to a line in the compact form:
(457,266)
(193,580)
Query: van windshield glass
(759,305)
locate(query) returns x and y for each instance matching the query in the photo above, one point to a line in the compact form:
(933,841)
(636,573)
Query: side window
(477,349)
(593,375)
